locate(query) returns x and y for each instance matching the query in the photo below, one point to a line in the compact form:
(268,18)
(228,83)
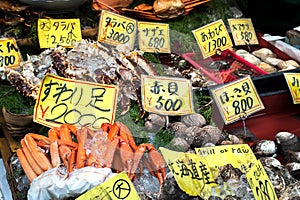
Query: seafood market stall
(160,99)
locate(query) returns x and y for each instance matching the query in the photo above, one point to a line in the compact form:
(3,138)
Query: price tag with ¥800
(116,188)
(154,37)
(116,29)
(63,32)
(9,53)
(260,183)
(167,95)
(293,82)
(243,32)
(237,99)
(212,37)
(63,100)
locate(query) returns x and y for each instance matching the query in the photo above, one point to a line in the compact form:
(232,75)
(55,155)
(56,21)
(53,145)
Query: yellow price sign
(239,155)
(116,29)
(9,53)
(116,188)
(237,100)
(243,32)
(293,82)
(260,183)
(63,100)
(154,37)
(212,37)
(167,95)
(63,32)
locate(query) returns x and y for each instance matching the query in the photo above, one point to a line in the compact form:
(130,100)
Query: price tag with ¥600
(63,32)
(116,29)
(293,82)
(260,183)
(243,32)
(237,100)
(167,95)
(212,38)
(9,53)
(63,100)
(154,37)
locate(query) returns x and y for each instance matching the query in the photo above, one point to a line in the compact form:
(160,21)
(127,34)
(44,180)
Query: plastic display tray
(223,68)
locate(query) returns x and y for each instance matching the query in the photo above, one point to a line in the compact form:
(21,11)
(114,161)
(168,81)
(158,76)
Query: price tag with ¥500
(243,32)
(116,29)
(237,100)
(212,38)
(154,37)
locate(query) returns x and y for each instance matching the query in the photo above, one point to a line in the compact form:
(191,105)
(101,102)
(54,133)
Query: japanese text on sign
(115,188)
(242,31)
(239,155)
(116,29)
(63,32)
(167,95)
(260,183)
(9,53)
(293,82)
(212,37)
(237,99)
(154,37)
(75,102)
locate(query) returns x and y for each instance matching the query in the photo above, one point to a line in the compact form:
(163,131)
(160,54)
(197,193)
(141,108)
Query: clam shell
(267,67)
(178,128)
(272,61)
(208,134)
(242,52)
(155,122)
(194,119)
(263,53)
(265,148)
(288,64)
(252,59)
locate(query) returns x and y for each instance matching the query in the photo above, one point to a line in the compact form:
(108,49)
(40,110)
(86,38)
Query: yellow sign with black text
(63,100)
(293,82)
(62,32)
(212,37)
(10,56)
(237,100)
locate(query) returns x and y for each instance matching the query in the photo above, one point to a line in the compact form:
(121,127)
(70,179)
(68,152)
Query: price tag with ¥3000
(212,37)
(63,100)
(167,95)
(9,53)
(116,188)
(243,32)
(260,183)
(154,37)
(293,82)
(236,100)
(116,29)
(63,32)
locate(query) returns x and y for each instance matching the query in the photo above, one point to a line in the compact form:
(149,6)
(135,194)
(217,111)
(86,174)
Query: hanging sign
(116,188)
(237,99)
(239,156)
(212,37)
(292,80)
(260,183)
(154,37)
(9,53)
(243,32)
(116,29)
(167,95)
(63,100)
(63,32)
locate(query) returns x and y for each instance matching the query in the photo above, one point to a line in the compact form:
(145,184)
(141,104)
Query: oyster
(294,169)
(265,148)
(287,141)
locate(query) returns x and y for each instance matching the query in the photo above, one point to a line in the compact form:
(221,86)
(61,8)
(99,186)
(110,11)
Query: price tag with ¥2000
(293,82)
(260,183)
(243,32)
(115,188)
(212,37)
(63,32)
(167,95)
(9,53)
(154,37)
(63,100)
(237,99)
(116,29)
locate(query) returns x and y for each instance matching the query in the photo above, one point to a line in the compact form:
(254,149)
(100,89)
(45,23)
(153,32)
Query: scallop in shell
(194,119)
